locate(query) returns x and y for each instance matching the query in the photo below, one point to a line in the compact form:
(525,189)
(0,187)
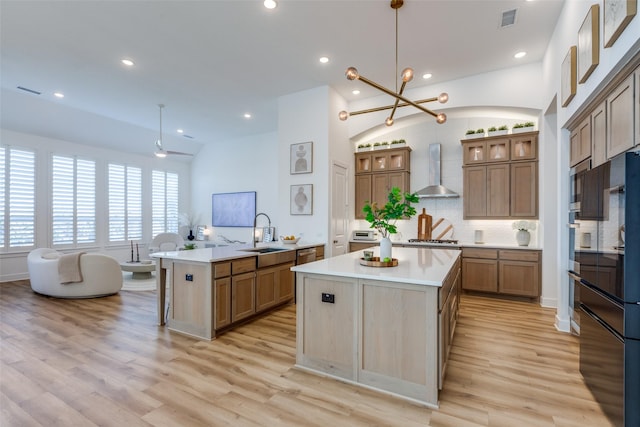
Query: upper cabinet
(379,171)
(580,141)
(620,116)
(500,177)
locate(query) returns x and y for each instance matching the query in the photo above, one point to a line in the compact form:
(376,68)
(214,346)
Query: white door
(339,209)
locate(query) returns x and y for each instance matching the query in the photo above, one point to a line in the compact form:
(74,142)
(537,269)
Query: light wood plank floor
(105,362)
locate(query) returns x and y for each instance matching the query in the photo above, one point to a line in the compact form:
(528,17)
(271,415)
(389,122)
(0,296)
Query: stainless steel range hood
(434,189)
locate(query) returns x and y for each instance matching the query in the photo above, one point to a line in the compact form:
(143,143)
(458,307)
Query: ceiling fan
(160,151)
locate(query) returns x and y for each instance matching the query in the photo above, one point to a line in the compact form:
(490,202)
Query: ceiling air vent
(508,18)
(26,89)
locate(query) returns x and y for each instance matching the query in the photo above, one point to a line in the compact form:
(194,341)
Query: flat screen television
(233,209)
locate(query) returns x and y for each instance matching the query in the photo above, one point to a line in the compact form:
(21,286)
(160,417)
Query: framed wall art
(617,14)
(301,199)
(301,158)
(589,44)
(568,77)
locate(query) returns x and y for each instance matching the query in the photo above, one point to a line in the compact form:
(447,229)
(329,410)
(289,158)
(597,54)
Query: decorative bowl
(289,241)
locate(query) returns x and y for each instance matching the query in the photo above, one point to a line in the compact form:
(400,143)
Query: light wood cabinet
(448,298)
(599,135)
(504,184)
(580,142)
(519,273)
(360,246)
(243,296)
(222,302)
(620,117)
(377,173)
(524,190)
(274,285)
(509,272)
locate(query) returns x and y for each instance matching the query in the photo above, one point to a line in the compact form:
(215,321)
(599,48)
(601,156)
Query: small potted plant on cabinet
(470,134)
(492,131)
(364,147)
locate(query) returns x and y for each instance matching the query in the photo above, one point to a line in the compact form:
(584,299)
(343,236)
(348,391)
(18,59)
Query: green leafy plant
(367,145)
(397,207)
(470,132)
(361,145)
(384,144)
(493,129)
(518,125)
(376,144)
(480,131)
(397,141)
(189,246)
(529,124)
(503,127)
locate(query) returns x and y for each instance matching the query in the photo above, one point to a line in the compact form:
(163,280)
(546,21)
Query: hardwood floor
(105,362)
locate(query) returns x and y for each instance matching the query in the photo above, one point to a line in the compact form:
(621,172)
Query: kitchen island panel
(399,339)
(328,339)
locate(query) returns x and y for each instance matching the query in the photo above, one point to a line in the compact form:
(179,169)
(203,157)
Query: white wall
(13,265)
(247,164)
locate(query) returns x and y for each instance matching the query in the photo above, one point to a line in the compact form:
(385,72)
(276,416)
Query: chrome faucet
(255,220)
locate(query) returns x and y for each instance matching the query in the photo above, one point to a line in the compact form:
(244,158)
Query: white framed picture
(617,15)
(589,44)
(301,199)
(301,158)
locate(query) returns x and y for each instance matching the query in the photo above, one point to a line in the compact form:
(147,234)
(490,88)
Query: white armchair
(165,242)
(101,275)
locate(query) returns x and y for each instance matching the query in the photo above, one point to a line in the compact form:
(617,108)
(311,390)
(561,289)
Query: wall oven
(609,287)
(580,235)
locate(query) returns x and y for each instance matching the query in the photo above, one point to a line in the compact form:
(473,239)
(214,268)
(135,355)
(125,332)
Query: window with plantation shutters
(125,203)
(164,202)
(73,201)
(17,193)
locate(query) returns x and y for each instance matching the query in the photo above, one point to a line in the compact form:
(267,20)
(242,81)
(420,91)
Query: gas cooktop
(436,241)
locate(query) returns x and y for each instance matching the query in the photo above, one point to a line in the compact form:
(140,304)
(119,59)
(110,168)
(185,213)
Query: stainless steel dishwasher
(304,256)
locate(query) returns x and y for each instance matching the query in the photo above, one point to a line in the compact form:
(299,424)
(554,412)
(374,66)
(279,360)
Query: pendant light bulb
(389,121)
(352,73)
(343,115)
(407,75)
(441,118)
(443,98)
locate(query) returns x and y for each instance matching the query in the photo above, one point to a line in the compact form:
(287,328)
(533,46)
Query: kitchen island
(214,289)
(385,328)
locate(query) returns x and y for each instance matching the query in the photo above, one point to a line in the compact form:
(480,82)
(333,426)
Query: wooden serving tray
(375,262)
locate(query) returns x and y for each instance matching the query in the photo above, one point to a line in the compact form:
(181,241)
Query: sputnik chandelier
(407,76)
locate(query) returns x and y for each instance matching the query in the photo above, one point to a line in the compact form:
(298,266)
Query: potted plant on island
(384,218)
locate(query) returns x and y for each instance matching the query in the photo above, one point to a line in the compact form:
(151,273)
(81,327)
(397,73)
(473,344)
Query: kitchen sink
(264,250)
(272,256)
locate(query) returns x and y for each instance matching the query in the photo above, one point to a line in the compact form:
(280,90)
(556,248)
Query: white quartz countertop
(421,266)
(460,244)
(224,253)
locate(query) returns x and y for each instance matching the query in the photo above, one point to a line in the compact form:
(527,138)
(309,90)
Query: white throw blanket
(69,268)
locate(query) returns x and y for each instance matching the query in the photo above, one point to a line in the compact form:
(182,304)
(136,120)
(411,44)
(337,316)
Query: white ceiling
(212,61)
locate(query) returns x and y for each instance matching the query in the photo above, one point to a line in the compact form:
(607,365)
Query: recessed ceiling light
(270,4)
(324,59)
(247,115)
(520,55)
(427,76)
(180,131)
(356,92)
(127,62)
(58,94)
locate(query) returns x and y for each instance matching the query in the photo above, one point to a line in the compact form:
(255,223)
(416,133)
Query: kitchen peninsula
(214,289)
(386,328)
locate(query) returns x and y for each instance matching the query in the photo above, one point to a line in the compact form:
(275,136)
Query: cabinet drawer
(221,269)
(243,265)
(520,255)
(479,253)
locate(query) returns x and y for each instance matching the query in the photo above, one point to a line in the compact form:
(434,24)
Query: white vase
(523,237)
(385,248)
